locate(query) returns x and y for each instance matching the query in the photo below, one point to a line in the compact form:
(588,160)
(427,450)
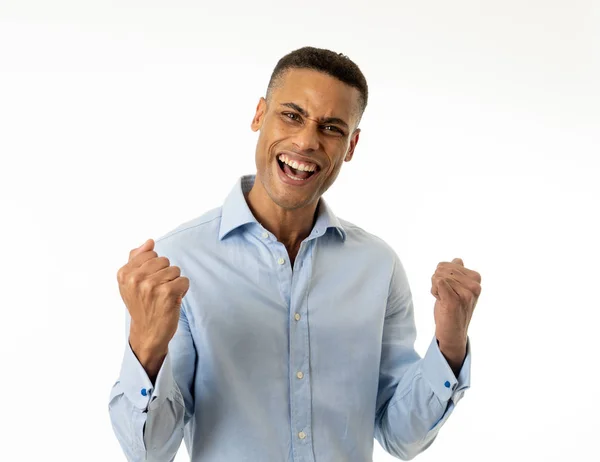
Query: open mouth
(296,171)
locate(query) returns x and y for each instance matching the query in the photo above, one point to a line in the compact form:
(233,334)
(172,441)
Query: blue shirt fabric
(272,363)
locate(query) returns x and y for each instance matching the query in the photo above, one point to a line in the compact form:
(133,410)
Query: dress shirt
(274,363)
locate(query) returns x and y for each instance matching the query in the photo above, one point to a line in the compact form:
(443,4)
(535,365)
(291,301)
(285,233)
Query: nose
(307,137)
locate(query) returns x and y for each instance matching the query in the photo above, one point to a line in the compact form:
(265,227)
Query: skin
(153,290)
(456,290)
(289,211)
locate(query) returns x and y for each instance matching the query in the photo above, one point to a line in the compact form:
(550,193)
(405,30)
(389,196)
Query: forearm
(150,358)
(455,355)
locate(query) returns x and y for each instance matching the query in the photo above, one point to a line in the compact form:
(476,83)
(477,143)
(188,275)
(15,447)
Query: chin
(287,201)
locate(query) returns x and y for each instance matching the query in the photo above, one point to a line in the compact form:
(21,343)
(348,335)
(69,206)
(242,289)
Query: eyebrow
(323,120)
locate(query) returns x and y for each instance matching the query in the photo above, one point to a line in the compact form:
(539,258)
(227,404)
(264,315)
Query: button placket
(300,389)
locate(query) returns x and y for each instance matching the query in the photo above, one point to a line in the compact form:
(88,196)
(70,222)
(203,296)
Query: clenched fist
(152,291)
(456,290)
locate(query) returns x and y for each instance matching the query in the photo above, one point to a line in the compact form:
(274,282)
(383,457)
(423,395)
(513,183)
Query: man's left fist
(456,290)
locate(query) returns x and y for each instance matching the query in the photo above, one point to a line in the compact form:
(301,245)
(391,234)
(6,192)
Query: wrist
(451,341)
(150,356)
(454,354)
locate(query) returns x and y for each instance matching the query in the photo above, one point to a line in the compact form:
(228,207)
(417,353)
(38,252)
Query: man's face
(295,128)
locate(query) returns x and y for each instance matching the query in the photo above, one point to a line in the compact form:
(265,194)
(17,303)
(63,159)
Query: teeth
(292,163)
(295,178)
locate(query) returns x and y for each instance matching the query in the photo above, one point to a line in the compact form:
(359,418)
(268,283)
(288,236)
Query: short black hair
(335,64)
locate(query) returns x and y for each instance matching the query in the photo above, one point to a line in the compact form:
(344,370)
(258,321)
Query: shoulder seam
(177,231)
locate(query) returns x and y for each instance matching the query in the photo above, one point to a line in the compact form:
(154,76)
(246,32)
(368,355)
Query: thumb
(458,261)
(445,291)
(151,241)
(179,301)
(147,245)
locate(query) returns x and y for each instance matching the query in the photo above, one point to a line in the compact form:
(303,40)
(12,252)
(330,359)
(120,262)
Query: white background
(480,141)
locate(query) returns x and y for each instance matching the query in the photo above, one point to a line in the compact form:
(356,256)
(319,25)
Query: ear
(353,143)
(261,109)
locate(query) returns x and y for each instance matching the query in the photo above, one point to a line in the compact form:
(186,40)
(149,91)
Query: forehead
(319,93)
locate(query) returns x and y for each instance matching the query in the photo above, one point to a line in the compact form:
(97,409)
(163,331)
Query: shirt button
(301,435)
(144,392)
(281,261)
(265,235)
(297,317)
(299,374)
(447,384)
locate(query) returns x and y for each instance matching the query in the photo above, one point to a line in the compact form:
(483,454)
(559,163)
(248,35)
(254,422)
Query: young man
(291,335)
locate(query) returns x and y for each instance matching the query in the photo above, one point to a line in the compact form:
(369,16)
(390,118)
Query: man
(291,336)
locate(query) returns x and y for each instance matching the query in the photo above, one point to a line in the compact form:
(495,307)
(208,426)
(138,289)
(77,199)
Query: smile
(294,172)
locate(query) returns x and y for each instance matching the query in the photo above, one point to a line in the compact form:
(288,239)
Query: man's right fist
(152,291)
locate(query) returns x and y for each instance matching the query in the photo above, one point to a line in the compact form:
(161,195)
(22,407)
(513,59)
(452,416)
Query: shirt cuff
(441,378)
(137,385)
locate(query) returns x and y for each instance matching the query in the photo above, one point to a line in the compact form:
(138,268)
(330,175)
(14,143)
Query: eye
(334,129)
(288,114)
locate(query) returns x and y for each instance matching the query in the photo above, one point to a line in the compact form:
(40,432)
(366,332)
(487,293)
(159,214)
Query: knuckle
(166,289)
(144,284)
(121,275)
(133,279)
(164,261)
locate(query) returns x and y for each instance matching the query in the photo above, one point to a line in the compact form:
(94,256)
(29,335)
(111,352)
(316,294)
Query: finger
(434,290)
(447,273)
(142,258)
(148,245)
(462,280)
(456,262)
(153,264)
(437,281)
(168,274)
(459,295)
(457,269)
(447,292)
(461,291)
(179,287)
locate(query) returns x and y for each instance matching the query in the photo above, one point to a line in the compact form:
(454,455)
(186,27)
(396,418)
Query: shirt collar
(236,213)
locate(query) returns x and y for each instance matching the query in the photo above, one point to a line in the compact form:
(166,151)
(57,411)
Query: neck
(290,227)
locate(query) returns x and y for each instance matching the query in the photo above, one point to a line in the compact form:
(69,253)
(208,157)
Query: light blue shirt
(274,365)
